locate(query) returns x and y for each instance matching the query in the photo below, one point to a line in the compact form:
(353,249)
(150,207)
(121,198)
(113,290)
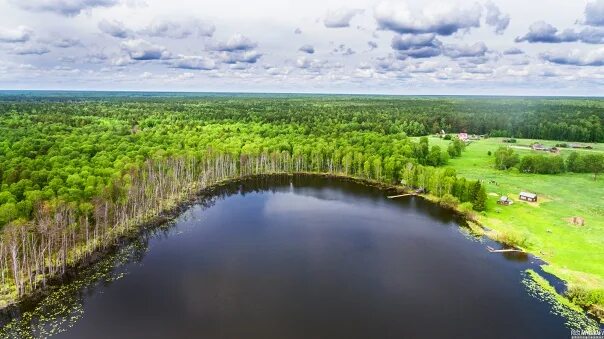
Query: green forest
(78,173)
(506,158)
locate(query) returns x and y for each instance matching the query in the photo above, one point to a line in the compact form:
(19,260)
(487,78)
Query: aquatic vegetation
(62,307)
(574,316)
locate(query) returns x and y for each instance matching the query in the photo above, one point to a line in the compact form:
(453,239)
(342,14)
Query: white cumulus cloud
(63,7)
(139,49)
(340,17)
(442,18)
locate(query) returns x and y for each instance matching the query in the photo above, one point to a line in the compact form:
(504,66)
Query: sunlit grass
(573,253)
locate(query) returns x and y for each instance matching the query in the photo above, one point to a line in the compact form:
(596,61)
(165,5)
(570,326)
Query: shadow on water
(350,263)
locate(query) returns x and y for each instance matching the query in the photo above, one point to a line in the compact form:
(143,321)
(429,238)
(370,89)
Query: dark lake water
(314,258)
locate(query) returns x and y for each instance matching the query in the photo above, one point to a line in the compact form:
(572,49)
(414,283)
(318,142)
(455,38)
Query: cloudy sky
(515,47)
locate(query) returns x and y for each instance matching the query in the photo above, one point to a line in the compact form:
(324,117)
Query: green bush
(468,210)
(448,200)
(513,239)
(584,297)
(466,207)
(593,300)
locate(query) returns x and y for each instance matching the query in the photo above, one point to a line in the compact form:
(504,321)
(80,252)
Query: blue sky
(511,47)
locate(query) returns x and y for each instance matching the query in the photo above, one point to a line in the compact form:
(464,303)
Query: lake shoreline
(71,272)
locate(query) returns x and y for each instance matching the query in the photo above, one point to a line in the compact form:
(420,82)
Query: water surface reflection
(306,258)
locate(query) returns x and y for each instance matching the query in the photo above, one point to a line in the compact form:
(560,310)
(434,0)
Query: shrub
(590,299)
(585,297)
(468,209)
(513,239)
(448,200)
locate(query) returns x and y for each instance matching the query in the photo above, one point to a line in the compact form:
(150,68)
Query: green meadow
(573,253)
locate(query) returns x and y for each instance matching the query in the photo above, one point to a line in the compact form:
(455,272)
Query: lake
(301,258)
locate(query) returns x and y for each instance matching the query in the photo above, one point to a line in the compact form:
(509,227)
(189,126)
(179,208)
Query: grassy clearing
(574,253)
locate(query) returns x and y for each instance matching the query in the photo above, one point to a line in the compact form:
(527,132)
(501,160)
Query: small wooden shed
(505,201)
(526,196)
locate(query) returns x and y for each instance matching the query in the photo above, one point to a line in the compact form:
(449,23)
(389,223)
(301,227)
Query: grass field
(574,253)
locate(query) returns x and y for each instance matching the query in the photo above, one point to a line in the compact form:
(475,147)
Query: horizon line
(301,93)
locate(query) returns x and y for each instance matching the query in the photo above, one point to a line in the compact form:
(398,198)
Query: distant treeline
(572,119)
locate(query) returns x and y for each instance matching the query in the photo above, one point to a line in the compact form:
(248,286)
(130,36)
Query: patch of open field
(574,253)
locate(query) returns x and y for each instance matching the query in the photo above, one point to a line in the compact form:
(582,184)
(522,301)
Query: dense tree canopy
(74,154)
(575,119)
(506,158)
(76,174)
